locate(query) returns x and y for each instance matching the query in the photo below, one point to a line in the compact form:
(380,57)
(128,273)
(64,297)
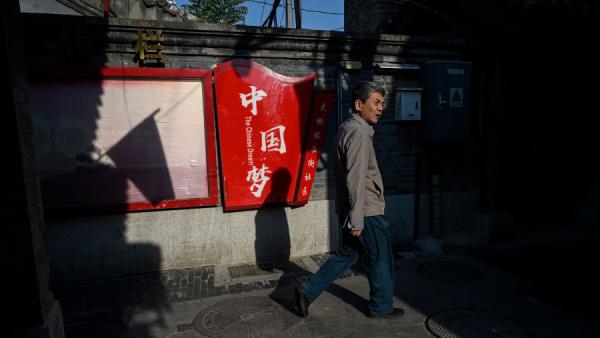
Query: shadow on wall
(90,257)
(273,244)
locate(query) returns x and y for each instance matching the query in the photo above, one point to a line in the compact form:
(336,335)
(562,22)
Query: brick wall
(94,41)
(380,14)
(23,253)
(191,237)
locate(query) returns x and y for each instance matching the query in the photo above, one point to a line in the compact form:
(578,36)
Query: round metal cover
(466,323)
(449,271)
(244,317)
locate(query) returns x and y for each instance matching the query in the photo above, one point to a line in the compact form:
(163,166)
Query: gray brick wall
(94,41)
(379,12)
(23,250)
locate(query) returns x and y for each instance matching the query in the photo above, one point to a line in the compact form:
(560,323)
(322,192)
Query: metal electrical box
(408,104)
(447,100)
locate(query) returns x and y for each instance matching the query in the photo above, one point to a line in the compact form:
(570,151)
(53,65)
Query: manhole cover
(244,317)
(465,323)
(448,271)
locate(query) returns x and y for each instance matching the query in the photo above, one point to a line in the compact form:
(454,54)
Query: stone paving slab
(167,304)
(102,308)
(329,317)
(339,312)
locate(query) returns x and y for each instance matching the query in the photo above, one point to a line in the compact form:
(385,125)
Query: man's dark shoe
(396,313)
(301,300)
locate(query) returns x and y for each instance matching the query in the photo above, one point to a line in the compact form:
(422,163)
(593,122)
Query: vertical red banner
(315,137)
(261,118)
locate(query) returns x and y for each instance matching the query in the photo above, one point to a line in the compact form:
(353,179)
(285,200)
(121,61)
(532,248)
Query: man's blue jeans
(375,247)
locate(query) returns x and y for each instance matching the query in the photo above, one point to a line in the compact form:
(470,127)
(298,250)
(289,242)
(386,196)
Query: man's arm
(357,161)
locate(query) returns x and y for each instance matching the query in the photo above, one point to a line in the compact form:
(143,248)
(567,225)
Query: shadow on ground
(557,267)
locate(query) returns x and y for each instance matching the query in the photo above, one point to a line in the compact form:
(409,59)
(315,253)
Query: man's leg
(335,265)
(379,264)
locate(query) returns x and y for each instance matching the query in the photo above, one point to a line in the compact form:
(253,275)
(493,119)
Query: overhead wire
(264,2)
(281,19)
(262,11)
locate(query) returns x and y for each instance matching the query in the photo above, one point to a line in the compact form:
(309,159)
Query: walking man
(360,208)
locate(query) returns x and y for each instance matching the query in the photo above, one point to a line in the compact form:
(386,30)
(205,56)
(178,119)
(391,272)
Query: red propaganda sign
(261,118)
(321,108)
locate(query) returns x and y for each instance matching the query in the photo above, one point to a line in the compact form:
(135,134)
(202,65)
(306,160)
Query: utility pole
(298,8)
(288,11)
(271,20)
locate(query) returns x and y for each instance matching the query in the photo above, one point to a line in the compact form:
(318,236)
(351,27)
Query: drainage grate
(467,323)
(449,271)
(244,317)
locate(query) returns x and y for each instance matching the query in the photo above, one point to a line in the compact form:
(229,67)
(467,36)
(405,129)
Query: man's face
(372,109)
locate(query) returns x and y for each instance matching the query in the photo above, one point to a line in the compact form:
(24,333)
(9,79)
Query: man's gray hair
(363,90)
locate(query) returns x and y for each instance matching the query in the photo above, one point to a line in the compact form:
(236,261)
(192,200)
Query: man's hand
(356,232)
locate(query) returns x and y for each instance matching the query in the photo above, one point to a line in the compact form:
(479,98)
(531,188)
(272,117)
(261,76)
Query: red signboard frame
(262,118)
(65,74)
(322,106)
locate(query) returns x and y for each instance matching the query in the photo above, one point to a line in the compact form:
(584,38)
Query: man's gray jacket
(359,187)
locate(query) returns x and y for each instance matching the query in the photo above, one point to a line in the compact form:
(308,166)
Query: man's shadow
(272,247)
